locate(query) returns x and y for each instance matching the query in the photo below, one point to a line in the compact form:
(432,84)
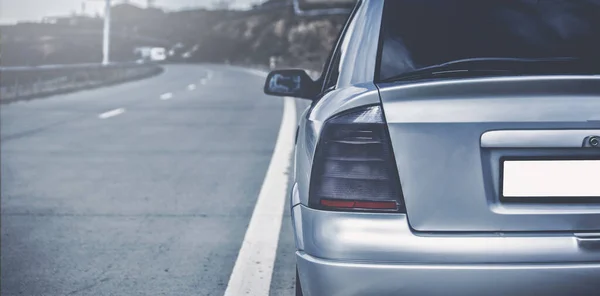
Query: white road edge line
(111,113)
(256,72)
(253,268)
(166,96)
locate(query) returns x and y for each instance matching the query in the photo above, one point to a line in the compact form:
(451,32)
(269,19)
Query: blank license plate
(551,178)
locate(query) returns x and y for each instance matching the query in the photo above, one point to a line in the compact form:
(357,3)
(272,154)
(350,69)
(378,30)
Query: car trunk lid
(460,146)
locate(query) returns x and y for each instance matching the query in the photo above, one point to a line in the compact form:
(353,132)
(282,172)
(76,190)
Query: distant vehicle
(452,147)
(156,54)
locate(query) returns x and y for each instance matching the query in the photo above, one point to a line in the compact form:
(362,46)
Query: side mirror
(291,83)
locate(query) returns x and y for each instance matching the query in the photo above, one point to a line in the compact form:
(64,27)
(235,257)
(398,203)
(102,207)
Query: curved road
(144,188)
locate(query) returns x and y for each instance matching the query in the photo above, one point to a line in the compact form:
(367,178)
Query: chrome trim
(536,138)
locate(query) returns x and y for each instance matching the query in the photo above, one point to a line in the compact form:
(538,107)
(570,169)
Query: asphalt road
(143,188)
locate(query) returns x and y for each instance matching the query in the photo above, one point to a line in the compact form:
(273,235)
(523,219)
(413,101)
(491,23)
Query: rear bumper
(342,253)
(327,277)
(373,237)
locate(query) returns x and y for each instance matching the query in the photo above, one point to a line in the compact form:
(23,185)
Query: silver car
(452,147)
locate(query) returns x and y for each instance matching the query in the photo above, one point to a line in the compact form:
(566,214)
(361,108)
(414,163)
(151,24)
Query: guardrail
(318,8)
(18,83)
(318,12)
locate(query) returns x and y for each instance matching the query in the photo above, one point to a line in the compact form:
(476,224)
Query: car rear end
(464,180)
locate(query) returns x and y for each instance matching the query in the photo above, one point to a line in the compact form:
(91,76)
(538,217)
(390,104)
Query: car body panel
(470,243)
(388,238)
(332,278)
(436,127)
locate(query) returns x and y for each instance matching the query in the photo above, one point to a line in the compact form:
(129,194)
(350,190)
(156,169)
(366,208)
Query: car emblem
(592,141)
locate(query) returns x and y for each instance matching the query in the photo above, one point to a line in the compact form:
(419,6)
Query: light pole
(106,35)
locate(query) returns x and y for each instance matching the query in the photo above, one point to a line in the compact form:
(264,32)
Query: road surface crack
(88,287)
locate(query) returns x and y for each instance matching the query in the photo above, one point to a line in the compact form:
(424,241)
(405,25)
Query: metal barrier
(322,11)
(18,83)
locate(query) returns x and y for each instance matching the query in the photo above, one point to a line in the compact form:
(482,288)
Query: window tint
(421,33)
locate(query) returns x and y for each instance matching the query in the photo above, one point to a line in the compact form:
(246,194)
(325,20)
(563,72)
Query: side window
(333,70)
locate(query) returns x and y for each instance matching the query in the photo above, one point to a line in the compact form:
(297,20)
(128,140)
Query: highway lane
(153,199)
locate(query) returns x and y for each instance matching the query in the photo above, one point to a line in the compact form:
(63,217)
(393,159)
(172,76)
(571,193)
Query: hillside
(242,37)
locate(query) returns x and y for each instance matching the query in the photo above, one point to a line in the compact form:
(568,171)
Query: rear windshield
(423,33)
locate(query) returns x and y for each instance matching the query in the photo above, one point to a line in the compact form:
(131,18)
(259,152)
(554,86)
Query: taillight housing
(354,167)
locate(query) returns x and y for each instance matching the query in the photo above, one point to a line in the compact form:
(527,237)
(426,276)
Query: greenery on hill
(241,37)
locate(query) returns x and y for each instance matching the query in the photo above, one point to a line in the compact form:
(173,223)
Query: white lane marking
(253,268)
(111,113)
(166,96)
(209,75)
(191,87)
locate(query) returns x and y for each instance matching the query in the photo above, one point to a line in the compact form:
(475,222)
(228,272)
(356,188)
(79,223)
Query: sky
(12,11)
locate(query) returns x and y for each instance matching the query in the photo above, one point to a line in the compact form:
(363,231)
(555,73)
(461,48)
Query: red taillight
(354,168)
(342,204)
(359,204)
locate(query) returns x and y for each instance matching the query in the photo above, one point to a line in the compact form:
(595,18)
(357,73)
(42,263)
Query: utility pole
(106,35)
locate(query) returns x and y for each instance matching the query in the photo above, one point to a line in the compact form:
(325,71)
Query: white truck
(155,54)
